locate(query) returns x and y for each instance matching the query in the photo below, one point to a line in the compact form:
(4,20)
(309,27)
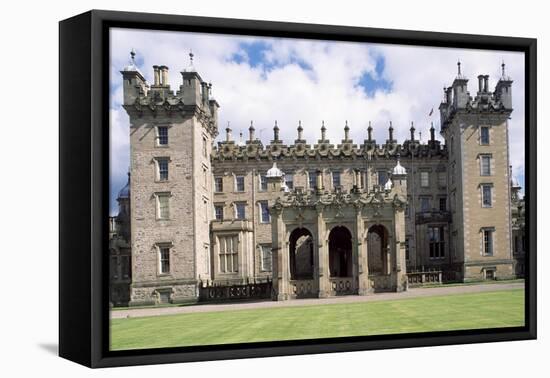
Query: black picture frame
(84,186)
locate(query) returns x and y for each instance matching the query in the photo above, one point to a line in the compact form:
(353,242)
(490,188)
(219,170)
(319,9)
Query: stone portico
(332,242)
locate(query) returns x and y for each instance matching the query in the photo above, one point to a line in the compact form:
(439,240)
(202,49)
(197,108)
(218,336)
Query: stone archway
(301,254)
(340,252)
(377,245)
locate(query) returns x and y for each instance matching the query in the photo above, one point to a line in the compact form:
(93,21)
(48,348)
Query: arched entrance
(340,257)
(377,245)
(301,254)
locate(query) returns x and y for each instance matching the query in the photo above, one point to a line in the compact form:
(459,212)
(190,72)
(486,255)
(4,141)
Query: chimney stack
(157,75)
(164,75)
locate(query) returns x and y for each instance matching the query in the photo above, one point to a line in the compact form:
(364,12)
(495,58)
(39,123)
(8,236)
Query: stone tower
(171,138)
(476,133)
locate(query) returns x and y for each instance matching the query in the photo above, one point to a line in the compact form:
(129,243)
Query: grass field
(437,313)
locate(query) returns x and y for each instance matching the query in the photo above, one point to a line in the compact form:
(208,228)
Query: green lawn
(437,313)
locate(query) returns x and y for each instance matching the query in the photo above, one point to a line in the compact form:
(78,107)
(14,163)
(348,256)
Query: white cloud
(326,89)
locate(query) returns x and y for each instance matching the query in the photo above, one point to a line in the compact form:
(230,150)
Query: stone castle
(312,220)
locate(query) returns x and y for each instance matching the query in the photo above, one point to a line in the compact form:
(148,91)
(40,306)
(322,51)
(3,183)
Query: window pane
(289,180)
(336,179)
(264,212)
(485,165)
(312,180)
(218,184)
(219,212)
(424,204)
(240,211)
(240,183)
(266,258)
(162,135)
(484,135)
(443,204)
(382,177)
(163,169)
(442,179)
(164,260)
(424,179)
(487,200)
(163,206)
(263,183)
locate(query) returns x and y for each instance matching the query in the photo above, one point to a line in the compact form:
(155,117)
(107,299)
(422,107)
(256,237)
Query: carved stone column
(399,245)
(322,250)
(279,257)
(360,265)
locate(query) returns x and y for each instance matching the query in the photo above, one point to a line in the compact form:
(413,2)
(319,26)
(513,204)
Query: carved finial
(459,72)
(323,130)
(346,131)
(133,55)
(191,55)
(300,129)
(228,133)
(369,131)
(432,132)
(251,130)
(391,131)
(276,132)
(412,130)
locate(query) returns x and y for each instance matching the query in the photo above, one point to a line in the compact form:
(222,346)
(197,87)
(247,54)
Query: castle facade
(315,219)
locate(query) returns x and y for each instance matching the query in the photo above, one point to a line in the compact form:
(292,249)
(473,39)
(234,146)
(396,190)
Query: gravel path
(411,293)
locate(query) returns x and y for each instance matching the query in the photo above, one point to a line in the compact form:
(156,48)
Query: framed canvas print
(234,188)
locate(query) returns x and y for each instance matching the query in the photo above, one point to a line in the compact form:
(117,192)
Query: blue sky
(291,80)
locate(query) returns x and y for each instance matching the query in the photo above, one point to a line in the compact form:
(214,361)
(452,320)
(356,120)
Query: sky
(287,80)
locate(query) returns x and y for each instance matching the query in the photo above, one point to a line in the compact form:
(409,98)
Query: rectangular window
(436,237)
(240,212)
(424,179)
(484,135)
(162,164)
(487,242)
(424,204)
(239,183)
(289,180)
(442,179)
(443,204)
(382,177)
(218,184)
(229,254)
(263,183)
(312,180)
(264,210)
(162,138)
(266,258)
(204,147)
(164,258)
(218,212)
(486,195)
(485,165)
(336,182)
(163,209)
(407,249)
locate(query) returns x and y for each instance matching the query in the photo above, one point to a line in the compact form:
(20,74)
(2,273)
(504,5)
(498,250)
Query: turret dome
(125,191)
(274,171)
(399,169)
